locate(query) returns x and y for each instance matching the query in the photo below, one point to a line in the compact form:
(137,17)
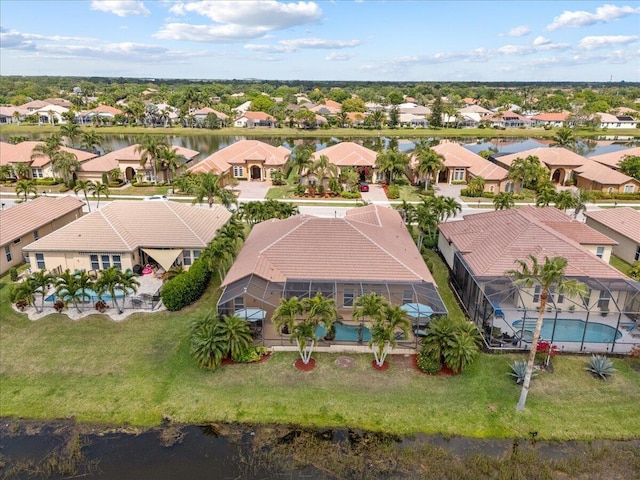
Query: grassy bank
(24,129)
(136,371)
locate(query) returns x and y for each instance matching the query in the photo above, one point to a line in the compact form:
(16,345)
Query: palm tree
(48,148)
(320,310)
(545,197)
(548,276)
(429,162)
(89,140)
(205,185)
(392,162)
(383,332)
(451,207)
(25,187)
(41,281)
(112,279)
(98,190)
(237,335)
(634,271)
(169,161)
(6,172)
(208,344)
(304,334)
(407,211)
(284,316)
(439,335)
(503,201)
(527,171)
(300,158)
(564,138)
(84,186)
(463,347)
(368,306)
(150,149)
(582,197)
(323,168)
(71,131)
(24,292)
(564,200)
(65,164)
(21,170)
(68,289)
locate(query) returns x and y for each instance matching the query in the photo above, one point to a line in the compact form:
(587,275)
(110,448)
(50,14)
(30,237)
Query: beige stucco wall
(606,254)
(77,260)
(447,250)
(626,248)
(590,185)
(16,249)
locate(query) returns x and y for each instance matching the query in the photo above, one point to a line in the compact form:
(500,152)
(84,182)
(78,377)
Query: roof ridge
(101,212)
(179,217)
(286,234)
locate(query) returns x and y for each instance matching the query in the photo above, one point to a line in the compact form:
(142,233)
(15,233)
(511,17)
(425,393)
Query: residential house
(613,159)
(124,234)
(550,119)
(128,160)
(29,221)
(351,155)
(255,119)
(413,121)
(12,114)
(561,162)
(103,114)
(613,122)
(507,119)
(242,108)
(329,107)
(622,225)
(40,167)
(245,160)
(462,165)
(369,250)
(483,247)
(356,119)
(596,176)
(200,116)
(51,114)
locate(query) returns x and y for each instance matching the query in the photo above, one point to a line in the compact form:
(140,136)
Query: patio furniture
(497,309)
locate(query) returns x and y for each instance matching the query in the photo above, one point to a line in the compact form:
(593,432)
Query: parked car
(364,187)
(161,198)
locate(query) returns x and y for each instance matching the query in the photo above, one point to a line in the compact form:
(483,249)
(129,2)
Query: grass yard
(620,264)
(138,370)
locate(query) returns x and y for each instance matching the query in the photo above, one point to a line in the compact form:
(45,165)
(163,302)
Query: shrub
(58,306)
(545,352)
(101,306)
(21,304)
(186,288)
(467,192)
(300,189)
(488,194)
(13,274)
(253,354)
(519,370)
(346,194)
(393,192)
(600,366)
(427,364)
(48,181)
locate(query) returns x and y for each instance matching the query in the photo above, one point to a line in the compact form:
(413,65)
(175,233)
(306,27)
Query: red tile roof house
(613,159)
(369,250)
(348,154)
(40,166)
(128,160)
(462,164)
(201,114)
(507,120)
(245,160)
(550,119)
(560,161)
(622,225)
(28,221)
(255,119)
(479,250)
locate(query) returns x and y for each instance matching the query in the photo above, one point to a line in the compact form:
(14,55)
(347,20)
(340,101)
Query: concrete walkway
(250,191)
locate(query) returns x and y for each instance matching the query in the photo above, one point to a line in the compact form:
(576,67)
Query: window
(94,262)
(16,241)
(238,303)
(492,188)
(536,294)
(148,175)
(186,257)
(36,235)
(117,262)
(600,252)
(7,252)
(238,171)
(40,261)
(271,170)
(637,255)
(196,254)
(508,187)
(106,261)
(628,189)
(603,300)
(458,174)
(36,173)
(347,297)
(407,296)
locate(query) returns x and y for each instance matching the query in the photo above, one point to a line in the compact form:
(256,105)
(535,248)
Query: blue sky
(390,40)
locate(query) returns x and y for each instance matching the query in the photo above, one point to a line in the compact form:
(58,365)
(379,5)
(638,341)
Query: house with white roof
(612,122)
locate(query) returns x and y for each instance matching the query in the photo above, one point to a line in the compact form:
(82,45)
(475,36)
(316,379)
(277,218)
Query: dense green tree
(430,162)
(630,165)
(503,201)
(99,190)
(392,162)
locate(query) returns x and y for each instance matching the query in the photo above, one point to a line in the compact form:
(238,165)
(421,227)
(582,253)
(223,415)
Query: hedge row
(187,287)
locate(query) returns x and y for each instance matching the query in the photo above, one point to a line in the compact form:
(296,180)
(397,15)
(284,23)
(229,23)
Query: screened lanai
(255,292)
(607,319)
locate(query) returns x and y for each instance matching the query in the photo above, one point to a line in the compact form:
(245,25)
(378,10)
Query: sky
(348,40)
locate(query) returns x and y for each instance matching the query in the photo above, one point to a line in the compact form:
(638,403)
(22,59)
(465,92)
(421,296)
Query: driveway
(375,194)
(248,191)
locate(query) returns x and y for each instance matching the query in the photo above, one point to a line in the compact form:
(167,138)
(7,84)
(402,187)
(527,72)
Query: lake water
(208,144)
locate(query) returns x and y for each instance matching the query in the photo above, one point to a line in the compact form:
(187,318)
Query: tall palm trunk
(532,354)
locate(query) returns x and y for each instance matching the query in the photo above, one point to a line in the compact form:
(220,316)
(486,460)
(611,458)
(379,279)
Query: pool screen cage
(606,320)
(255,292)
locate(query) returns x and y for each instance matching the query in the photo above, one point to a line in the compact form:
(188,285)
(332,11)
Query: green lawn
(620,264)
(138,370)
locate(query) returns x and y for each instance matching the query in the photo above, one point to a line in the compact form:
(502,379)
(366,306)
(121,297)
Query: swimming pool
(91,296)
(570,330)
(345,333)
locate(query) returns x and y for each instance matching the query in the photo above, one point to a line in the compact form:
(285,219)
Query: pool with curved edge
(345,333)
(570,330)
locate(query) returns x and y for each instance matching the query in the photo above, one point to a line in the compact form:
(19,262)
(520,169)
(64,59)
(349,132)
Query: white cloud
(580,18)
(339,57)
(593,42)
(121,8)
(541,41)
(254,18)
(519,31)
(303,43)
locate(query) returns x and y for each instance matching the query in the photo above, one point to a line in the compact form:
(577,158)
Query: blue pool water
(91,296)
(570,330)
(345,333)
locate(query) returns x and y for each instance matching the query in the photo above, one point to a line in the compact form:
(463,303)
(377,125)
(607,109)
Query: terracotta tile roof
(105,109)
(129,154)
(625,221)
(370,243)
(613,159)
(29,216)
(238,153)
(552,157)
(491,243)
(207,110)
(123,226)
(348,154)
(8,111)
(602,174)
(258,116)
(478,166)
(34,105)
(551,116)
(507,115)
(21,153)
